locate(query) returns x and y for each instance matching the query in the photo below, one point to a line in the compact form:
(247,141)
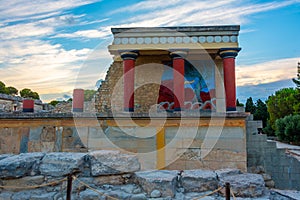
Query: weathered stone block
(2,156)
(111,179)
(20,165)
(5,195)
(199,180)
(221,173)
(23,182)
(165,181)
(26,194)
(90,195)
(107,162)
(43,196)
(270,184)
(61,164)
(139,197)
(245,185)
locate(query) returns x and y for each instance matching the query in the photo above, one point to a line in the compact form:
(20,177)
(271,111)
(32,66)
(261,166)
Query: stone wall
(279,163)
(66,107)
(10,104)
(39,139)
(103,96)
(148,72)
(112,174)
(172,144)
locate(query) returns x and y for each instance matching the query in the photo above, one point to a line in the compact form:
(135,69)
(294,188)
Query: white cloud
(40,65)
(267,72)
(40,18)
(93,33)
(16,10)
(194,12)
(94,22)
(24,30)
(147,5)
(48,68)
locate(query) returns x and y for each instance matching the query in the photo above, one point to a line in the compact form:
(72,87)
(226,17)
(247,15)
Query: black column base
(28,110)
(231,109)
(129,109)
(178,109)
(77,109)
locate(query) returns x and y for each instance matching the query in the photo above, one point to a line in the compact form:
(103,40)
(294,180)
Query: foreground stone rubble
(115,174)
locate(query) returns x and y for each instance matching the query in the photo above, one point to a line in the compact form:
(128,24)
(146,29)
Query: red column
(78,100)
(28,105)
(228,55)
(178,82)
(128,75)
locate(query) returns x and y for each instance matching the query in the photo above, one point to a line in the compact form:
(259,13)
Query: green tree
(288,128)
(297,80)
(261,112)
(239,104)
(89,94)
(269,130)
(250,106)
(2,88)
(11,90)
(283,103)
(54,102)
(28,93)
(280,128)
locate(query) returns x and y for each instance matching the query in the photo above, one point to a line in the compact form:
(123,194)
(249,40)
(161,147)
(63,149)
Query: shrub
(288,128)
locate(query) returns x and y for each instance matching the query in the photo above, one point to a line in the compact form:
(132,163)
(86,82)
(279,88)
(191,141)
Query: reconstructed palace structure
(169,96)
(179,68)
(187,75)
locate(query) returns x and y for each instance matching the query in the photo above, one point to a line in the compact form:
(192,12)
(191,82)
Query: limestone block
(61,164)
(9,140)
(2,156)
(20,165)
(110,179)
(90,195)
(199,180)
(288,194)
(155,194)
(221,173)
(106,162)
(5,195)
(165,181)
(23,182)
(139,197)
(43,196)
(257,169)
(245,185)
(26,194)
(266,177)
(270,184)
(131,189)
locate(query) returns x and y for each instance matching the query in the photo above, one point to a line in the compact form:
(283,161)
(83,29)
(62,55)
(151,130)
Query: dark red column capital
(129,58)
(228,55)
(178,82)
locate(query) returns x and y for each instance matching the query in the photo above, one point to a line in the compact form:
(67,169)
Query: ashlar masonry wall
(148,73)
(189,143)
(283,167)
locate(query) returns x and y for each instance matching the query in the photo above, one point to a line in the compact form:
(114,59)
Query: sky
(54,46)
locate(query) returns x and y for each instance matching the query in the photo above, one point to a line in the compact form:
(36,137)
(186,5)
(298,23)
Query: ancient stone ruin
(115,175)
(168,103)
